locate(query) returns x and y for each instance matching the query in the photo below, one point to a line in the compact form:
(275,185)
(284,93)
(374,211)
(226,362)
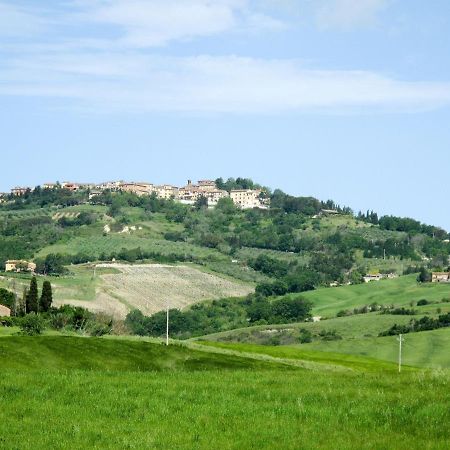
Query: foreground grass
(49,402)
(302,353)
(76,353)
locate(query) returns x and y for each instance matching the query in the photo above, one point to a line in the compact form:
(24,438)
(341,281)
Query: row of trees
(415,325)
(220,315)
(31,301)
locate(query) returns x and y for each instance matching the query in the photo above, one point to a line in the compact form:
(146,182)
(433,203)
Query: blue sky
(341,99)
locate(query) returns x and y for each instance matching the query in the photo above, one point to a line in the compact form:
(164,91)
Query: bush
(305,336)
(422,302)
(32,325)
(330,335)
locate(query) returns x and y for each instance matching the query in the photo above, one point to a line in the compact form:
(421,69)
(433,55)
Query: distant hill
(298,244)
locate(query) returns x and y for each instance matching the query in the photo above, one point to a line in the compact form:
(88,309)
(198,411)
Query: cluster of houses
(189,194)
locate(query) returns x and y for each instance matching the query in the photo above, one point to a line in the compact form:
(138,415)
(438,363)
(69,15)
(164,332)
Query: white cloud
(349,14)
(151,23)
(204,84)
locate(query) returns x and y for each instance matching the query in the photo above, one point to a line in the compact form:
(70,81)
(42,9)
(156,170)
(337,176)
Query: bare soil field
(150,287)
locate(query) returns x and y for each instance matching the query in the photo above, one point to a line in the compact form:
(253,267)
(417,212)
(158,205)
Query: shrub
(422,302)
(305,336)
(32,325)
(330,335)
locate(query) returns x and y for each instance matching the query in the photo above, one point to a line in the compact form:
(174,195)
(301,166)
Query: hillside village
(188,194)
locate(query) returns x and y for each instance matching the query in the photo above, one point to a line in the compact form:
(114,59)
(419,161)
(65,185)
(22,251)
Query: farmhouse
(19,266)
(440,277)
(4,311)
(373,277)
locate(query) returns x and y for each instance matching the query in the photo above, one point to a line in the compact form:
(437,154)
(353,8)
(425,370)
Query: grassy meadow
(399,292)
(77,393)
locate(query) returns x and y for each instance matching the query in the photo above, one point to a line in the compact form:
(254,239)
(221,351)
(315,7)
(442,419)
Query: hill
(403,291)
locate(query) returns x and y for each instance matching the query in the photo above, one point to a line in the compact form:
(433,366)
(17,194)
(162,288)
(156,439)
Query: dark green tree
(46,297)
(32,303)
(424,276)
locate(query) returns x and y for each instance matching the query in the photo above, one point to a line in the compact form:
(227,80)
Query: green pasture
(78,393)
(399,291)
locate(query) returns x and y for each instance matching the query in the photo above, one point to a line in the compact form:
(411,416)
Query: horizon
(346,100)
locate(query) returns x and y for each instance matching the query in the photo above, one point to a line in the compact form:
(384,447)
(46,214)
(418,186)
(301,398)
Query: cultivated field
(150,287)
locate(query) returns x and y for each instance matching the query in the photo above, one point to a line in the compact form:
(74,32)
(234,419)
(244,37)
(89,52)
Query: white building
(247,198)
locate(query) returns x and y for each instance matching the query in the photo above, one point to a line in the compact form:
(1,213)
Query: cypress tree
(46,297)
(32,300)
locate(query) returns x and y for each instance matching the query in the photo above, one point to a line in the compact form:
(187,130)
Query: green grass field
(78,393)
(399,291)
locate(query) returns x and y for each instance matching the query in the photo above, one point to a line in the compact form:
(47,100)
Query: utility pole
(400,340)
(167,325)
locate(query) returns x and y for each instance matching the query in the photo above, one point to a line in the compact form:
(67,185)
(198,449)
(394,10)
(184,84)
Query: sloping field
(151,287)
(400,291)
(97,393)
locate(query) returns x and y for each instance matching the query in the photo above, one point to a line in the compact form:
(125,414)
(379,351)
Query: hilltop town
(188,194)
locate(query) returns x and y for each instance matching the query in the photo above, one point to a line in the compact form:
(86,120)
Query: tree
(46,297)
(7,298)
(32,304)
(201,202)
(424,276)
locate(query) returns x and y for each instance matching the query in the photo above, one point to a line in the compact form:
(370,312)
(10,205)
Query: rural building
(19,266)
(215,195)
(373,277)
(206,185)
(50,186)
(166,191)
(95,193)
(19,191)
(73,187)
(379,276)
(4,311)
(139,189)
(109,185)
(440,277)
(247,198)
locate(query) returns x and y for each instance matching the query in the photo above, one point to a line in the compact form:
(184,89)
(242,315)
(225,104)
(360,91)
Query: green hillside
(75,353)
(400,291)
(97,393)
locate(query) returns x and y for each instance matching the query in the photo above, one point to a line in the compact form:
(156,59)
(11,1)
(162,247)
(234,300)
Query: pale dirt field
(151,287)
